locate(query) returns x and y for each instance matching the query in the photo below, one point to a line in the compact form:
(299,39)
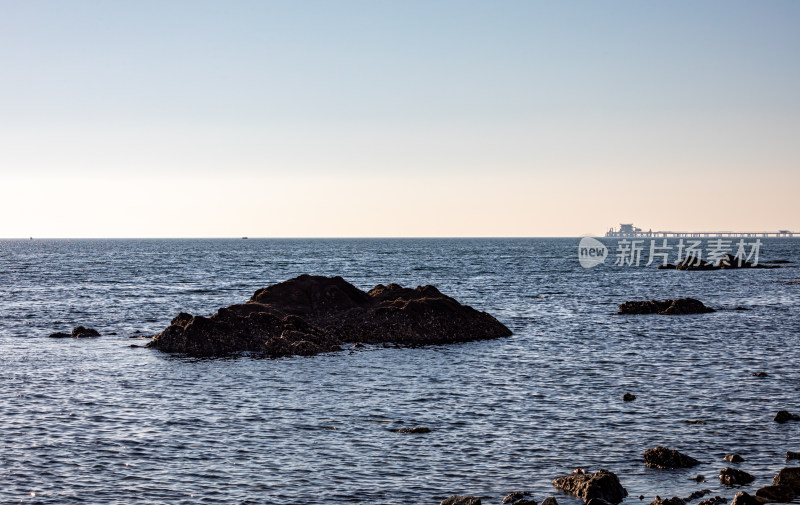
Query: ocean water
(98,421)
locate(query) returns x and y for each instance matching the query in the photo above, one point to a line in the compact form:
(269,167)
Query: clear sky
(404,118)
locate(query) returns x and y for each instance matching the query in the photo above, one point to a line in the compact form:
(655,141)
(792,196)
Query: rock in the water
(78,332)
(461,500)
(759,374)
(789,476)
(717,500)
(416,430)
(697,494)
(792,455)
(733,458)
(699,478)
(313,314)
(661,457)
(668,501)
(780,494)
(550,500)
(603,485)
(743,498)
(628,397)
(516,497)
(734,477)
(667,307)
(783,416)
(694,263)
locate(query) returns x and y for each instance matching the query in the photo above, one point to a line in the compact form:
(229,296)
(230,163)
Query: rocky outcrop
(661,457)
(519,498)
(603,485)
(694,263)
(783,416)
(792,455)
(734,477)
(77,332)
(416,430)
(733,458)
(666,307)
(312,314)
(668,501)
(461,500)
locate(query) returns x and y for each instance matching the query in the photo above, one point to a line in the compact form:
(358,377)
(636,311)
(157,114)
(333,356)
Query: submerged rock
(603,485)
(759,374)
(628,397)
(783,416)
(668,501)
(733,458)
(661,457)
(312,314)
(78,332)
(666,307)
(461,500)
(416,430)
(734,477)
(792,455)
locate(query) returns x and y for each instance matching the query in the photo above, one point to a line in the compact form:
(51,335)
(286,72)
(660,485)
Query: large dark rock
(743,498)
(792,455)
(603,485)
(734,477)
(733,458)
(661,457)
(790,477)
(519,498)
(312,314)
(668,501)
(783,416)
(77,332)
(666,307)
(461,500)
(780,494)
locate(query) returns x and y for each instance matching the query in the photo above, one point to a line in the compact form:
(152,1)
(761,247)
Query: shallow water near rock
(96,421)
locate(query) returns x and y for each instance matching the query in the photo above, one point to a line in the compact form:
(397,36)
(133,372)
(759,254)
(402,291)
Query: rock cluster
(665,307)
(602,485)
(661,457)
(312,314)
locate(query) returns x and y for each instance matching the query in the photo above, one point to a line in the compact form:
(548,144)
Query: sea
(107,421)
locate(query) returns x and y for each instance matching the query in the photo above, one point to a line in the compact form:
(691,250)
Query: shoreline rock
(309,315)
(677,306)
(77,332)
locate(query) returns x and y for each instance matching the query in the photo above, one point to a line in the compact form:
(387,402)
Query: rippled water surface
(99,421)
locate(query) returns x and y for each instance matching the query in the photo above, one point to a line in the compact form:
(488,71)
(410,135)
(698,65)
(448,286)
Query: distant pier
(630,231)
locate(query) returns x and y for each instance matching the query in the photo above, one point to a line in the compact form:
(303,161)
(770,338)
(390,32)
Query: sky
(390,119)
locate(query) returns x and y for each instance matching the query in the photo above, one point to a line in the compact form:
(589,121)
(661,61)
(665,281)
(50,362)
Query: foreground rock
(663,458)
(519,498)
(668,501)
(743,498)
(783,416)
(789,477)
(461,500)
(734,477)
(311,314)
(792,455)
(78,332)
(779,494)
(603,485)
(666,307)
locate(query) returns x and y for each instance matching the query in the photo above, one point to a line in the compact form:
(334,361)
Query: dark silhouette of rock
(759,374)
(789,476)
(550,500)
(667,501)
(792,455)
(699,478)
(694,421)
(727,262)
(668,266)
(743,498)
(515,496)
(597,501)
(717,500)
(311,314)
(461,500)
(661,457)
(78,332)
(694,263)
(628,397)
(603,485)
(697,494)
(733,458)
(416,430)
(780,494)
(783,416)
(641,497)
(734,477)
(666,307)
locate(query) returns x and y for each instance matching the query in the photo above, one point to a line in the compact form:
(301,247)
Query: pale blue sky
(488,118)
